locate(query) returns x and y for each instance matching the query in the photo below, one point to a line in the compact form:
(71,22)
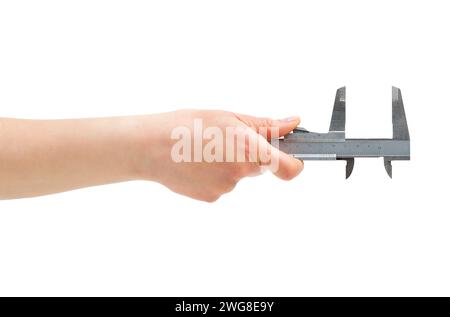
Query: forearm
(40,157)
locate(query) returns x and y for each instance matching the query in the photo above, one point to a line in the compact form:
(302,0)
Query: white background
(316,235)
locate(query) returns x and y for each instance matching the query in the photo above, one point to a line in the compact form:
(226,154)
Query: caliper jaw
(333,145)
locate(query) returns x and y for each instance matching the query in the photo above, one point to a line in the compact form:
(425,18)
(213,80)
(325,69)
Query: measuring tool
(306,145)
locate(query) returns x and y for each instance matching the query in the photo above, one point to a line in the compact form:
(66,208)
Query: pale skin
(40,157)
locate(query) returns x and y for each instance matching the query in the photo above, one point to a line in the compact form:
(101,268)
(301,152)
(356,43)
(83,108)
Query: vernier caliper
(333,145)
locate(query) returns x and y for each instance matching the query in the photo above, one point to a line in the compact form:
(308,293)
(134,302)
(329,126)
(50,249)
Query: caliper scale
(306,145)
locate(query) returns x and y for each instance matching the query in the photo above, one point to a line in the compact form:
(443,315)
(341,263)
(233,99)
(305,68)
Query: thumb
(279,163)
(263,125)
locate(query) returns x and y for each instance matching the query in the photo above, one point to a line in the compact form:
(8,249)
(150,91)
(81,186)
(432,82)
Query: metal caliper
(306,145)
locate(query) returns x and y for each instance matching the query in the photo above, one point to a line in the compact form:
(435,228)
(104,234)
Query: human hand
(207,179)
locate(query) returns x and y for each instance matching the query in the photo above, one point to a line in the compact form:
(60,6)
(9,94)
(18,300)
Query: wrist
(146,146)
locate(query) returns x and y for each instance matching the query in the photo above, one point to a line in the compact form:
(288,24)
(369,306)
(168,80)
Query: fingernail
(290,119)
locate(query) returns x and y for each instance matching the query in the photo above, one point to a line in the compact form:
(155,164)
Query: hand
(204,180)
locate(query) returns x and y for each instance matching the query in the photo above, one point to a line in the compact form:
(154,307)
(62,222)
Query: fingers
(288,167)
(263,125)
(279,163)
